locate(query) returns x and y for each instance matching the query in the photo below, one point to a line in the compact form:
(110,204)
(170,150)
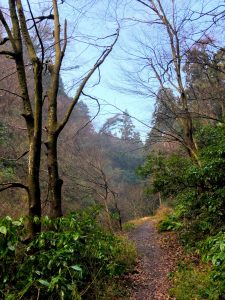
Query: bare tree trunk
(55,127)
(35,153)
(34,191)
(119,216)
(172,30)
(55,182)
(189,141)
(34,127)
(32,115)
(18,34)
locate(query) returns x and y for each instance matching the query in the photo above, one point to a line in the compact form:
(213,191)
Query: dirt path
(156,259)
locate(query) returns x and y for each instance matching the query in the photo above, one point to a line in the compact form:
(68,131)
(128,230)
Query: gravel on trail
(158,254)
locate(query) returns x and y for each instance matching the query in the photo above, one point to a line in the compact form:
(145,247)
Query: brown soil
(158,255)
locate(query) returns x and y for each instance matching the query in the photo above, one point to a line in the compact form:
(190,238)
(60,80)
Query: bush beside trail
(196,194)
(76,259)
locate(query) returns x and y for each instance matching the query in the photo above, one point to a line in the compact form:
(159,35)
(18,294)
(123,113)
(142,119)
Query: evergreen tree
(127,127)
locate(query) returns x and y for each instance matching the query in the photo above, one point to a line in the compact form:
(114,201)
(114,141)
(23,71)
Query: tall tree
(127,127)
(204,70)
(160,59)
(19,34)
(32,115)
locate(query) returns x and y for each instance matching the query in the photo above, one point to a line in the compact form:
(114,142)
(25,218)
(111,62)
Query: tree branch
(145,4)
(40,19)
(84,82)
(9,53)
(65,40)
(10,185)
(11,93)
(7,29)
(86,124)
(37,32)
(25,32)
(4,40)
(15,159)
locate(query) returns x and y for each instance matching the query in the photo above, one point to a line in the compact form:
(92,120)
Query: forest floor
(158,255)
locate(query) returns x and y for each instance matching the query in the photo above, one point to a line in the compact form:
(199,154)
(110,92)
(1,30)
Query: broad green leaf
(222,246)
(76,268)
(76,236)
(54,281)
(41,243)
(3,230)
(44,282)
(38,272)
(11,246)
(36,220)
(16,223)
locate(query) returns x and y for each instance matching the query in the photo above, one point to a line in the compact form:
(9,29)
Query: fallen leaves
(158,257)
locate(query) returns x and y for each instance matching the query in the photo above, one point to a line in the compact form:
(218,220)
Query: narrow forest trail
(157,257)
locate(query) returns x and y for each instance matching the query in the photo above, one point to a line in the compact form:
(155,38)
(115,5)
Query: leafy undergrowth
(197,193)
(197,270)
(200,272)
(76,260)
(169,221)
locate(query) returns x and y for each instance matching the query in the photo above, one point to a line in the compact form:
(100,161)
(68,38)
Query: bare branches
(7,53)
(7,29)
(6,39)
(65,40)
(38,35)
(25,32)
(92,119)
(11,93)
(16,43)
(9,185)
(58,54)
(163,65)
(3,41)
(39,19)
(98,63)
(144,3)
(15,159)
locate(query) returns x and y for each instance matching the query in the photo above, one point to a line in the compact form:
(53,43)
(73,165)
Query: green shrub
(198,194)
(213,251)
(66,263)
(169,223)
(168,171)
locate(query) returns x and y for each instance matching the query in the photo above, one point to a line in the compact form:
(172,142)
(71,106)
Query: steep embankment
(158,254)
